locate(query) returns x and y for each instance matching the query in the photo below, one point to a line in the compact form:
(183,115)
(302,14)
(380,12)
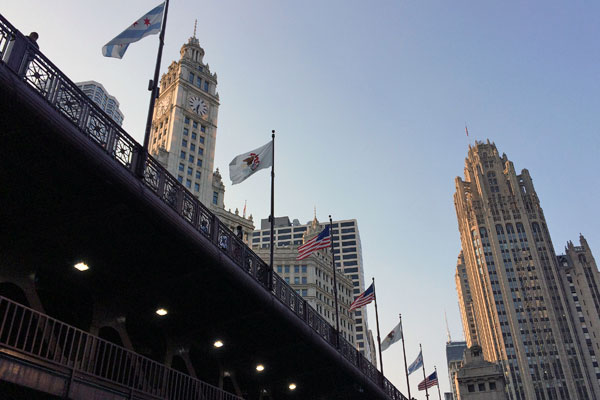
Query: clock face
(163,105)
(198,105)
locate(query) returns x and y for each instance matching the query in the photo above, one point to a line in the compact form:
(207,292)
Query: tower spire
(195,24)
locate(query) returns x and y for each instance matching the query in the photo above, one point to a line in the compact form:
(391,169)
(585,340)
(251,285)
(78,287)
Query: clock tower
(184,131)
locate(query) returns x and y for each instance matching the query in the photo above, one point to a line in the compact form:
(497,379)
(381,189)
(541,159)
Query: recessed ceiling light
(260,368)
(162,312)
(292,386)
(218,344)
(81,266)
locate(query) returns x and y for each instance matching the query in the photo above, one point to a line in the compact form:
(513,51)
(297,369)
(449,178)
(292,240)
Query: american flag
(364,298)
(321,241)
(428,382)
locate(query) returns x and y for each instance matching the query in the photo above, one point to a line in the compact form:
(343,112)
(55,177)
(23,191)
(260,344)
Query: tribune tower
(519,313)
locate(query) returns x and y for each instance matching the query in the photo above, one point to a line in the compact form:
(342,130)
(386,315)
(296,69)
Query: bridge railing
(35,334)
(43,77)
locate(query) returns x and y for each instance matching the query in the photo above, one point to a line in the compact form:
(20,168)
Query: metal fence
(43,77)
(38,335)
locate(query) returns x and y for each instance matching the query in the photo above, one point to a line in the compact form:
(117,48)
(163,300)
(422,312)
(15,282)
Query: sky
(369,101)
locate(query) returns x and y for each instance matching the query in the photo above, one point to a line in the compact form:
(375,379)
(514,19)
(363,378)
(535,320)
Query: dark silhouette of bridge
(76,187)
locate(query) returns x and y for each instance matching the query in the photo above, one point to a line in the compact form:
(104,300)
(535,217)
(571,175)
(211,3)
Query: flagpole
(424,376)
(377,320)
(272,217)
(404,352)
(154,83)
(335,291)
(438,382)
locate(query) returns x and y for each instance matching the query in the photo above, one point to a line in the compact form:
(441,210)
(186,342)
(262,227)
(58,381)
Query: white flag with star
(149,24)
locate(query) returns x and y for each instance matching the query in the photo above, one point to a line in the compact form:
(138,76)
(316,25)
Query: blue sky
(369,101)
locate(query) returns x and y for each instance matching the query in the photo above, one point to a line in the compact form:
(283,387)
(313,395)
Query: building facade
(348,259)
(580,278)
(465,302)
(184,132)
(312,278)
(520,311)
(454,358)
(100,96)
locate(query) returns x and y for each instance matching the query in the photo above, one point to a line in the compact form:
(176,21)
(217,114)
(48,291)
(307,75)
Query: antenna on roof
(195,23)
(447,329)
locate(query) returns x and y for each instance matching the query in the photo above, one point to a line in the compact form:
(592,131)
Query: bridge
(75,187)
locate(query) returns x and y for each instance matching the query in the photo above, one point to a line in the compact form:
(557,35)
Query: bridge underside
(63,201)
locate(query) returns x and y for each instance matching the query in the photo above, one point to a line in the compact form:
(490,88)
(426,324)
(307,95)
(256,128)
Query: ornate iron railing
(48,81)
(42,337)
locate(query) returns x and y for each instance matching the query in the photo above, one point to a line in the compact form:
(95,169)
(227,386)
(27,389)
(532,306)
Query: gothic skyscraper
(513,290)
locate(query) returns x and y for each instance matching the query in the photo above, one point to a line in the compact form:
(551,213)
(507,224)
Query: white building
(348,259)
(312,278)
(100,96)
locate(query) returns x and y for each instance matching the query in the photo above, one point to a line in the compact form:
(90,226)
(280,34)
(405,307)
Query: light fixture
(218,344)
(292,386)
(162,312)
(81,266)
(260,368)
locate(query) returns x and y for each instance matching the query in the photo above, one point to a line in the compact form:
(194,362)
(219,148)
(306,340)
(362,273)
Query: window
(201,139)
(190,170)
(287,279)
(471,388)
(198,81)
(191,158)
(296,268)
(180,178)
(191,77)
(304,292)
(188,183)
(193,135)
(199,162)
(492,385)
(184,143)
(182,155)
(215,198)
(206,86)
(181,167)
(304,269)
(304,281)
(200,151)
(481,387)
(286,269)
(195,125)
(187,120)
(185,131)
(202,128)
(198,174)
(296,280)
(192,147)
(197,187)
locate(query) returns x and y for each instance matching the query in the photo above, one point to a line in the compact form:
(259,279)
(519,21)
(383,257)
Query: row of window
(184,143)
(286,269)
(195,124)
(190,158)
(190,170)
(481,387)
(198,81)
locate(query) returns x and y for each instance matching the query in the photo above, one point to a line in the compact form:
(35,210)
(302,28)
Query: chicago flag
(148,24)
